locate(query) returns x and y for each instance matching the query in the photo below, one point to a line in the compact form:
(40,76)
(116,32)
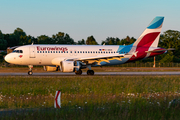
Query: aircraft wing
(99,58)
(90,60)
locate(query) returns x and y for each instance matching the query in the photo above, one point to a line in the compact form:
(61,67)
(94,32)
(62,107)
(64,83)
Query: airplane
(74,58)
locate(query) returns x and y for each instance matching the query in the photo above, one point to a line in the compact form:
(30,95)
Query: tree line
(169,39)
(19,37)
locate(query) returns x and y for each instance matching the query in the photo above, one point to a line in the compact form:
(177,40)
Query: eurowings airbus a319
(73,58)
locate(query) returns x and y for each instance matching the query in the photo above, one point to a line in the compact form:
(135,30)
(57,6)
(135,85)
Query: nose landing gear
(30,69)
(30,72)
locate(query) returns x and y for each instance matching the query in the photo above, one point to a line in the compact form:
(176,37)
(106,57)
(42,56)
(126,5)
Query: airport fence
(148,64)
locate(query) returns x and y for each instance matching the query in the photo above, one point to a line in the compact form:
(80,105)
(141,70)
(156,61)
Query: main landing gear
(90,72)
(79,72)
(30,69)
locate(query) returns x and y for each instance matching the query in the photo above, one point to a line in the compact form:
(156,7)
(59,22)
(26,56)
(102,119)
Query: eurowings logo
(52,48)
(20,56)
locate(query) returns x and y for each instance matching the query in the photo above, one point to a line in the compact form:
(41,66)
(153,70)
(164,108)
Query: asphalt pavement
(96,73)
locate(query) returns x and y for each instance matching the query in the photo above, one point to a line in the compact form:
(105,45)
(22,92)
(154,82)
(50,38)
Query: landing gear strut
(30,69)
(79,72)
(90,72)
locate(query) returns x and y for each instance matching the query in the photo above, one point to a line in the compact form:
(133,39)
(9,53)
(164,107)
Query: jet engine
(70,66)
(51,68)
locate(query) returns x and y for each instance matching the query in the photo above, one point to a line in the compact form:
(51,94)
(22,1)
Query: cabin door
(32,52)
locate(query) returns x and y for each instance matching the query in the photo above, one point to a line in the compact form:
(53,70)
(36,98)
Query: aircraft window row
(80,52)
(17,51)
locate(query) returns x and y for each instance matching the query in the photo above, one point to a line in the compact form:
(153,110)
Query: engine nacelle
(70,66)
(51,68)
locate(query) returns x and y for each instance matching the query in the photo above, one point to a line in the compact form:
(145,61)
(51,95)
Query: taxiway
(96,73)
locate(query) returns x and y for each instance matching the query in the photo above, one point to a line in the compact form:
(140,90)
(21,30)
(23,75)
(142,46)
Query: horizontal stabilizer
(161,50)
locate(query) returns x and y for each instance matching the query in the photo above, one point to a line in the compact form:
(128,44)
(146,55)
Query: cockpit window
(17,51)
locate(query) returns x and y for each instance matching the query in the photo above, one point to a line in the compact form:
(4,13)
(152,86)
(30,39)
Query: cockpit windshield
(17,51)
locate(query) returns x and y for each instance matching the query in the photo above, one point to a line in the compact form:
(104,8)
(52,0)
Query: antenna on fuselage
(104,43)
(32,43)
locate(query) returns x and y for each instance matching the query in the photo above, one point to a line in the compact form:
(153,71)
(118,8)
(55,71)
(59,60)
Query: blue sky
(83,18)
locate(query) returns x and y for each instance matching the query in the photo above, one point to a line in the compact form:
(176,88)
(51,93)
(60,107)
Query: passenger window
(80,51)
(21,51)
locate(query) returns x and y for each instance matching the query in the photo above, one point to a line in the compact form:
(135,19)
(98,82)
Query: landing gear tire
(90,72)
(79,72)
(30,72)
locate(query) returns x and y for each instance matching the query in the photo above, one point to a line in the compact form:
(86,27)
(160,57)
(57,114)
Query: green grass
(90,97)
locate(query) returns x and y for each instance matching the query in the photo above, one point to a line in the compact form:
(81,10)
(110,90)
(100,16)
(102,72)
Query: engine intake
(70,66)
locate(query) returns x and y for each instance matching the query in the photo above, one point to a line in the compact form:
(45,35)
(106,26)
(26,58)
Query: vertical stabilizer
(150,37)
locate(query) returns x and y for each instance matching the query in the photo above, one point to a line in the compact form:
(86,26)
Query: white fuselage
(45,54)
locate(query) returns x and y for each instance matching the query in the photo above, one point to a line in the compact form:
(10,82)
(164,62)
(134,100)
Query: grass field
(90,97)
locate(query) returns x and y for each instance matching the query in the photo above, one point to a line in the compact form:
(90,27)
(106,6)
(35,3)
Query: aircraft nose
(7,58)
